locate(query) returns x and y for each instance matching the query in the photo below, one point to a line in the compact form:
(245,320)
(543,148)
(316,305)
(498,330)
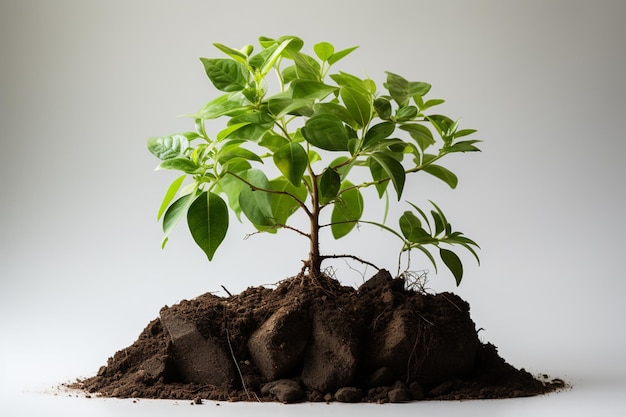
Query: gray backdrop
(83,84)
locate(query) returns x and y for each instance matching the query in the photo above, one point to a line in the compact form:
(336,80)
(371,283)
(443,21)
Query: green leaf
(233,53)
(340,54)
(326,131)
(329,185)
(347,210)
(306,67)
(393,170)
(420,133)
(378,175)
(290,74)
(409,222)
(207,219)
(431,103)
(335,109)
(441,222)
(247,50)
(232,187)
(418,88)
(257,61)
(344,79)
(256,203)
(257,124)
(314,157)
(420,211)
(323,50)
(383,108)
(443,174)
(266,42)
(292,161)
(224,133)
(411,228)
(377,133)
(170,194)
(401,90)
(174,213)
(398,88)
(225,105)
(181,164)
(464,132)
(284,205)
(441,123)
(358,104)
(463,146)
(168,147)
(465,242)
(406,113)
(271,60)
(282,105)
(225,74)
(310,89)
(453,263)
(234,165)
(272,141)
(295,43)
(233,150)
(199,154)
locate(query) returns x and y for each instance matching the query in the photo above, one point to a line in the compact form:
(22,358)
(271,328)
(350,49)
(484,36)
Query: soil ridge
(319,341)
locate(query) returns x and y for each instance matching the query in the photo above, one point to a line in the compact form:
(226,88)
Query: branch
(255,188)
(356,258)
(383,180)
(283,128)
(382,226)
(293,229)
(279,226)
(363,185)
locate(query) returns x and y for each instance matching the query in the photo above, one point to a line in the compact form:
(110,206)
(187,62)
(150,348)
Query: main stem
(315,260)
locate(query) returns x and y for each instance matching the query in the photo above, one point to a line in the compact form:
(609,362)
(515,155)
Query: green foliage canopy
(315,129)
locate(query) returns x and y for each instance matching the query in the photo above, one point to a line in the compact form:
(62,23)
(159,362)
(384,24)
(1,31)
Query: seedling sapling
(316,130)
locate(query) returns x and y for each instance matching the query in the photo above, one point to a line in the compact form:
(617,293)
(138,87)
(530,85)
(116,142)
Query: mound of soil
(315,341)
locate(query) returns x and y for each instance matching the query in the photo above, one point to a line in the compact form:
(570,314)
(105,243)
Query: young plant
(313,132)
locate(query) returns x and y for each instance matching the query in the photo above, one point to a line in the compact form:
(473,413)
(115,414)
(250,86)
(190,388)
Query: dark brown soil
(315,341)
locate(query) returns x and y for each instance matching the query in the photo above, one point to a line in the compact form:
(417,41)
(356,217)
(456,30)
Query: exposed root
(451,302)
(416,280)
(232,353)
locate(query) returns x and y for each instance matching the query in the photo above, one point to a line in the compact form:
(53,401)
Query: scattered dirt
(315,341)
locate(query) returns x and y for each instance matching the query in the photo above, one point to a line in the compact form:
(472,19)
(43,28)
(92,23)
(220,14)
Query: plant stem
(315,260)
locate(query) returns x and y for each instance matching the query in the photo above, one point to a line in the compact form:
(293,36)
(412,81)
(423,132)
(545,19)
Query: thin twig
(227,292)
(279,226)
(356,258)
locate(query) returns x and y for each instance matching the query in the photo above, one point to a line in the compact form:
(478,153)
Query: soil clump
(315,341)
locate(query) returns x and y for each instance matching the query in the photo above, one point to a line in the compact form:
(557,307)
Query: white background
(83,84)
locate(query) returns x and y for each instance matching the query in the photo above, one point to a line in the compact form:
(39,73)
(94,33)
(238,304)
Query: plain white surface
(597,398)
(83,84)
